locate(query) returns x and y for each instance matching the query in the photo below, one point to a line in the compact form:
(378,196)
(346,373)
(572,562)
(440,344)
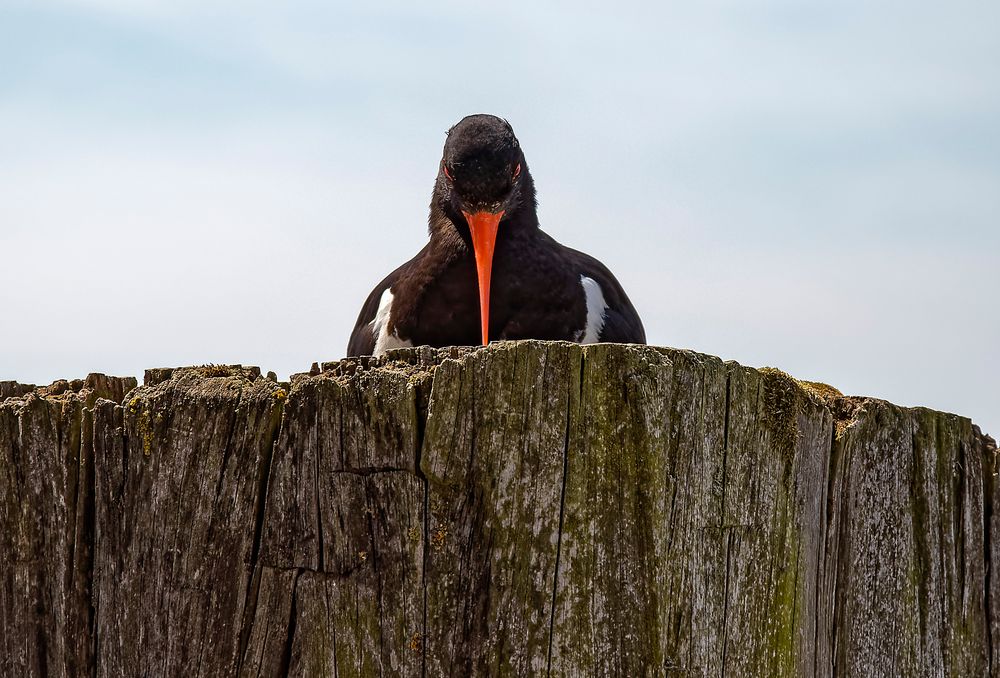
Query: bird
(488,271)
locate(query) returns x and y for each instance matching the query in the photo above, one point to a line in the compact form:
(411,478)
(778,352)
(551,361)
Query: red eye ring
(517,170)
(446,173)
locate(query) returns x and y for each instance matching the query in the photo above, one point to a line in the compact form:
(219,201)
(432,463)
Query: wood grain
(534,508)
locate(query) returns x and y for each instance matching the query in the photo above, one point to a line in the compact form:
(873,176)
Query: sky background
(808,185)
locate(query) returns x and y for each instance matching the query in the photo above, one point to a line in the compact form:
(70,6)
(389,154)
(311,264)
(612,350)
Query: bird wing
(621,321)
(362,340)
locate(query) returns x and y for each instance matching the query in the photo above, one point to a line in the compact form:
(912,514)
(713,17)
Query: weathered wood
(364,615)
(907,546)
(494,453)
(345,514)
(985,448)
(529,509)
(46,525)
(180,469)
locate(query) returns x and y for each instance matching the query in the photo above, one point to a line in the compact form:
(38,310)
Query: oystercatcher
(488,271)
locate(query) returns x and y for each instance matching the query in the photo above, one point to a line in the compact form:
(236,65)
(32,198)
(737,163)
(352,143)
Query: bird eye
(447,173)
(517,170)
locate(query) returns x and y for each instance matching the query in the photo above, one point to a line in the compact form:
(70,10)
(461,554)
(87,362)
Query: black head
(483,188)
(483,168)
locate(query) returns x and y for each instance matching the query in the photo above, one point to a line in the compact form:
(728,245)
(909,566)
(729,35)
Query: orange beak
(483,227)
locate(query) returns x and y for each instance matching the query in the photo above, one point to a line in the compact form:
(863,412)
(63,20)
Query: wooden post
(533,508)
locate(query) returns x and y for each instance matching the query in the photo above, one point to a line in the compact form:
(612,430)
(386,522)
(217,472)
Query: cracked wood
(528,509)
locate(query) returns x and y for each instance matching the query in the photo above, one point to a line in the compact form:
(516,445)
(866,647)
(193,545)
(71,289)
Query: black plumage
(535,287)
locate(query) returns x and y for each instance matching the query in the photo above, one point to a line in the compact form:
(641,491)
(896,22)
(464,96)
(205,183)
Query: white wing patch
(380,327)
(596,308)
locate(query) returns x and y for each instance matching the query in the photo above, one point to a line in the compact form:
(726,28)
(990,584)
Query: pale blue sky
(809,185)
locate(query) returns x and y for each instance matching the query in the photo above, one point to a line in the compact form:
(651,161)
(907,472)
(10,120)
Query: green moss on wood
(781,406)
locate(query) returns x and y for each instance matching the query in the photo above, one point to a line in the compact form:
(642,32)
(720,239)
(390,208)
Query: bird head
(483,181)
